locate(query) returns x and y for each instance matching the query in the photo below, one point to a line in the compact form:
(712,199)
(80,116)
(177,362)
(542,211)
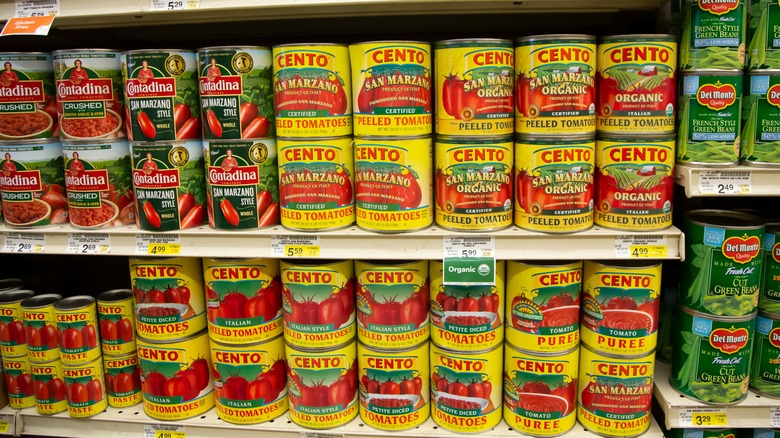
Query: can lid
(724,218)
(764,72)
(143,51)
(769,315)
(309,45)
(24,143)
(38,301)
(81,51)
(638,37)
(13,296)
(72,303)
(556,37)
(713,72)
(744,318)
(633,138)
(10,284)
(473,140)
(115,295)
(472,41)
(542,139)
(773,228)
(210,48)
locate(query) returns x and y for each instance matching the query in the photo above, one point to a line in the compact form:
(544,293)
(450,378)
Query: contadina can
(77,323)
(322,386)
(760,139)
(169,297)
(765,366)
(763,50)
(394,387)
(474,87)
(540,391)
(116,313)
(176,377)
(713,35)
(13,336)
(28,105)
(769,298)
(123,380)
(250,381)
(543,310)
(50,392)
(18,382)
(85,391)
(43,337)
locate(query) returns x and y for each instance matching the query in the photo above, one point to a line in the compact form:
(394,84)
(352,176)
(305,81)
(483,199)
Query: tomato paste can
(7,284)
(394,96)
(318,301)
(28,104)
(392,304)
(161,88)
(90,93)
(116,314)
(49,387)
(77,323)
(765,361)
(760,139)
(474,183)
(713,35)
(123,380)
(85,389)
(13,336)
(474,87)
(540,391)
(236,98)
(554,183)
(322,385)
(168,180)
(466,318)
(312,90)
(769,290)
(18,382)
(40,324)
(543,314)
(393,183)
(763,49)
(721,274)
(176,377)
(711,356)
(709,116)
(169,298)
(615,393)
(244,300)
(32,183)
(636,84)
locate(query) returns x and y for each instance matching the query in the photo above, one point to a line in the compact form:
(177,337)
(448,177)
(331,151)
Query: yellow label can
(18,382)
(116,313)
(84,385)
(43,338)
(13,339)
(123,380)
(77,323)
(49,386)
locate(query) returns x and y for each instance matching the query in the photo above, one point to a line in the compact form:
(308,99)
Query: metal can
(474,87)
(312,90)
(236,98)
(759,433)
(7,284)
(543,315)
(316,183)
(759,141)
(18,382)
(393,183)
(13,336)
(765,366)
(85,390)
(722,45)
(703,433)
(49,387)
(763,49)
(40,324)
(77,323)
(663,351)
(116,314)
(123,380)
(394,387)
(769,295)
(28,105)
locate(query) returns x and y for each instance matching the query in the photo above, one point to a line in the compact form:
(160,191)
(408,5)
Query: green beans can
(769,297)
(700,433)
(765,366)
(760,433)
(760,138)
(762,40)
(713,35)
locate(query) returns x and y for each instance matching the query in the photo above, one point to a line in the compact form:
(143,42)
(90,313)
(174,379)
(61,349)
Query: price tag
(36,8)
(295,246)
(469,260)
(158,244)
(640,247)
(81,243)
(165,5)
(32,17)
(5,424)
(774,417)
(321,435)
(164,431)
(703,417)
(724,183)
(25,242)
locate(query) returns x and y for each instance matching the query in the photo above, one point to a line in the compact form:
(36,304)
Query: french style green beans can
(700,433)
(713,35)
(769,298)
(763,36)
(765,366)
(760,139)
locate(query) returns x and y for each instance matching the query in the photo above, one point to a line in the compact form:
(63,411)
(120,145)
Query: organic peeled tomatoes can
(13,336)
(123,380)
(84,387)
(49,387)
(18,382)
(43,337)
(116,314)
(77,323)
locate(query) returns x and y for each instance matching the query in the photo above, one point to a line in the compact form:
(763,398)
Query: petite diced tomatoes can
(13,336)
(116,314)
(18,382)
(123,380)
(85,388)
(49,387)
(40,324)
(78,326)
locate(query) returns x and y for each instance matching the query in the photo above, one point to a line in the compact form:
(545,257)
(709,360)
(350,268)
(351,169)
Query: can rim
(23,53)
(747,221)
(388,262)
(39,301)
(533,138)
(170,143)
(313,262)
(25,143)
(474,139)
(546,355)
(630,138)
(101,50)
(371,349)
(74,303)
(98,360)
(172,51)
(713,72)
(622,264)
(238,140)
(115,295)
(391,41)
(309,45)
(546,263)
(315,139)
(205,49)
(130,355)
(771,71)
(641,36)
(651,354)
(472,40)
(449,351)
(716,318)
(558,36)
(152,343)
(8,284)
(352,343)
(71,142)
(392,138)
(15,296)
(769,315)
(243,345)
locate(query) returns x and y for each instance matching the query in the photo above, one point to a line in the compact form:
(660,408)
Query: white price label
(703,417)
(166,5)
(640,247)
(81,243)
(461,247)
(321,435)
(164,431)
(158,244)
(774,417)
(25,242)
(719,182)
(295,246)
(469,261)
(36,8)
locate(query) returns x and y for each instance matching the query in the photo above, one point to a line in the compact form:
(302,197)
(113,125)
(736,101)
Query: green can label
(769,298)
(701,433)
(765,367)
(763,34)
(28,105)
(713,35)
(761,120)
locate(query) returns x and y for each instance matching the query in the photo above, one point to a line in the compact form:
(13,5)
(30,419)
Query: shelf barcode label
(82,243)
(5,424)
(164,431)
(703,417)
(167,5)
(640,247)
(321,435)
(774,417)
(25,242)
(36,8)
(718,182)
(295,246)
(158,244)
(469,261)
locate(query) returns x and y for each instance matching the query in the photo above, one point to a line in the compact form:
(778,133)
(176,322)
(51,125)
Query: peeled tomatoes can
(759,140)
(84,387)
(722,45)
(13,336)
(18,382)
(49,387)
(28,105)
(764,366)
(123,380)
(43,337)
(116,313)
(769,298)
(77,323)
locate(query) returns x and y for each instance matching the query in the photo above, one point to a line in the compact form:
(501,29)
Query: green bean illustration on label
(762,36)
(769,298)
(761,119)
(713,35)
(765,367)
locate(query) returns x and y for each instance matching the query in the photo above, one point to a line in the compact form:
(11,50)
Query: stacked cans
(116,318)
(43,345)
(13,347)
(764,367)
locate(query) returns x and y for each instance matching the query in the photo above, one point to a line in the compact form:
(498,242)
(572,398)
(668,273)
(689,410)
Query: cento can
(769,295)
(49,387)
(28,104)
(392,304)
(474,87)
(13,336)
(85,391)
(763,50)
(312,90)
(711,356)
(713,35)
(554,184)
(540,391)
(765,366)
(18,382)
(760,139)
(543,314)
(77,323)
(722,271)
(169,298)
(474,183)
(123,380)
(393,183)
(242,183)
(7,284)
(176,377)
(244,300)
(116,314)
(43,337)
(236,98)
(250,381)
(322,386)
(394,387)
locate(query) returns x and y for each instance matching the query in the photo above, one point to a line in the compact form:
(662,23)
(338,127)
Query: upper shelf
(729,181)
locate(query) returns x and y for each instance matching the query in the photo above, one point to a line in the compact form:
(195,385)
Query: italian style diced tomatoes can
(78,326)
(176,377)
(13,336)
(18,382)
(244,300)
(392,304)
(764,366)
(123,380)
(169,298)
(466,318)
(49,387)
(318,301)
(116,314)
(40,324)
(543,310)
(316,183)
(28,104)
(250,381)
(85,389)
(391,88)
(312,90)
(474,87)
(322,386)
(540,391)
(393,183)
(394,386)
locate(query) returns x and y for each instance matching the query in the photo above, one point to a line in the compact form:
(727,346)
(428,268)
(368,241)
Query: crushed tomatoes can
(78,326)
(28,103)
(40,324)
(18,382)
(116,313)
(123,380)
(85,391)
(765,366)
(13,336)
(49,387)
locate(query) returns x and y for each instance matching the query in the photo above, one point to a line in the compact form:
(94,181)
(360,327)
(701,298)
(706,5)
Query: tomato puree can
(244,300)
(28,105)
(540,391)
(13,336)
(116,314)
(123,380)
(393,183)
(391,88)
(769,295)
(713,35)
(250,381)
(18,382)
(77,323)
(765,366)
(759,140)
(543,314)
(40,324)
(85,389)
(49,387)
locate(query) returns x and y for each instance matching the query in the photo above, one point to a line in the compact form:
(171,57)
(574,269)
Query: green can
(762,39)
(709,115)
(760,144)
(663,350)
(700,433)
(713,35)
(769,297)
(760,433)
(765,366)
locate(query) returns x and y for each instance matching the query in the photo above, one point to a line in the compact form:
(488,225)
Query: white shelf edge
(765,181)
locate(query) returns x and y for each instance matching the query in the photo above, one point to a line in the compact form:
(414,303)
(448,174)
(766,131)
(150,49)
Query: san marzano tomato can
(18,382)
(123,380)
(49,387)
(40,324)
(85,388)
(116,313)
(28,104)
(13,336)
(77,323)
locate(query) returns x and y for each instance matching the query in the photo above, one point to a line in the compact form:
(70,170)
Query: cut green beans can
(713,35)
(769,298)
(760,139)
(765,366)
(763,39)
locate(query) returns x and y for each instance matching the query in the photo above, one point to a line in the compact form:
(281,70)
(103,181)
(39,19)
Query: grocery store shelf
(8,423)
(743,181)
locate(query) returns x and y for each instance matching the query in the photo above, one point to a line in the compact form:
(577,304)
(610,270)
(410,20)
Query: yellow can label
(394,389)
(123,380)
(78,335)
(18,382)
(86,393)
(393,184)
(13,340)
(43,338)
(117,326)
(50,391)
(322,386)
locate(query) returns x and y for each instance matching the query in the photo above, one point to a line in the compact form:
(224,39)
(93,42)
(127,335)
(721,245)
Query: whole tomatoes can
(13,336)
(312,90)
(236,97)
(764,366)
(543,310)
(244,300)
(123,380)
(392,304)
(116,314)
(40,324)
(78,326)
(391,88)
(466,318)
(169,299)
(176,377)
(49,387)
(322,386)
(393,183)
(18,382)
(85,388)
(474,87)
(250,381)
(540,391)
(28,105)
(713,34)
(769,298)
